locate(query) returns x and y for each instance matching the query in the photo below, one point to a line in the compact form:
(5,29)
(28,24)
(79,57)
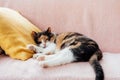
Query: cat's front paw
(43,64)
(41,58)
(36,56)
(31,47)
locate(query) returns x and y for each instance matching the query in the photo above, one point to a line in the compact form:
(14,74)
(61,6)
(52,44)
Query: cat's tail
(94,61)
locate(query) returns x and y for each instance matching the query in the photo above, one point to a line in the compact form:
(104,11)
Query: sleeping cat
(57,49)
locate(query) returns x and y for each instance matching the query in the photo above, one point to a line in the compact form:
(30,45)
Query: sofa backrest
(98,19)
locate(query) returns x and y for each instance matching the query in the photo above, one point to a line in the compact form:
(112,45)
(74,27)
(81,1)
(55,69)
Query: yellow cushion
(15,34)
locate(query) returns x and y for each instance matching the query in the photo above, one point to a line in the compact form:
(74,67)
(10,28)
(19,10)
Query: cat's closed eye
(39,42)
(74,43)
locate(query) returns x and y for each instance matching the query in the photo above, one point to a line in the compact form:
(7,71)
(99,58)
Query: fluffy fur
(57,49)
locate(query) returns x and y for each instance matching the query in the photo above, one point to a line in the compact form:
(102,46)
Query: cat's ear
(34,34)
(49,30)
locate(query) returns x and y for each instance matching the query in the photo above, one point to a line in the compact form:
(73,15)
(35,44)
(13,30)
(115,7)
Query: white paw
(35,56)
(43,64)
(42,57)
(31,47)
(39,49)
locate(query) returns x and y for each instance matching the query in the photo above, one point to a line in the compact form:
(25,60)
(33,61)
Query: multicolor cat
(57,49)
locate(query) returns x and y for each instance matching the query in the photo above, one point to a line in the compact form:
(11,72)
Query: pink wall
(99,19)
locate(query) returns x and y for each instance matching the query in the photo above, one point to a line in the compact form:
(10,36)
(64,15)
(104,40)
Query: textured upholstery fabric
(30,70)
(98,19)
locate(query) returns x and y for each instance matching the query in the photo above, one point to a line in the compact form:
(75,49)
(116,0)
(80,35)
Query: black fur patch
(98,70)
(71,35)
(85,50)
(49,35)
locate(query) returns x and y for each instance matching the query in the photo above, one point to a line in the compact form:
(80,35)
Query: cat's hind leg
(62,57)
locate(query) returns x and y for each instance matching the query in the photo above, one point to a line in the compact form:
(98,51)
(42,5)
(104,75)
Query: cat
(57,49)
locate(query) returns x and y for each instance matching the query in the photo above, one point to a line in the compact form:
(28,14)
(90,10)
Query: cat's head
(44,38)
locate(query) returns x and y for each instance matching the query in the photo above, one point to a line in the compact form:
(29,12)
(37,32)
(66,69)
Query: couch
(98,19)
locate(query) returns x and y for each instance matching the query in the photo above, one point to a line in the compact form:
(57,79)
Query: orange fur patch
(75,46)
(53,38)
(44,38)
(60,38)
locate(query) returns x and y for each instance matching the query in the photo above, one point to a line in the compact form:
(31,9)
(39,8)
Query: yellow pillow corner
(15,34)
(22,55)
